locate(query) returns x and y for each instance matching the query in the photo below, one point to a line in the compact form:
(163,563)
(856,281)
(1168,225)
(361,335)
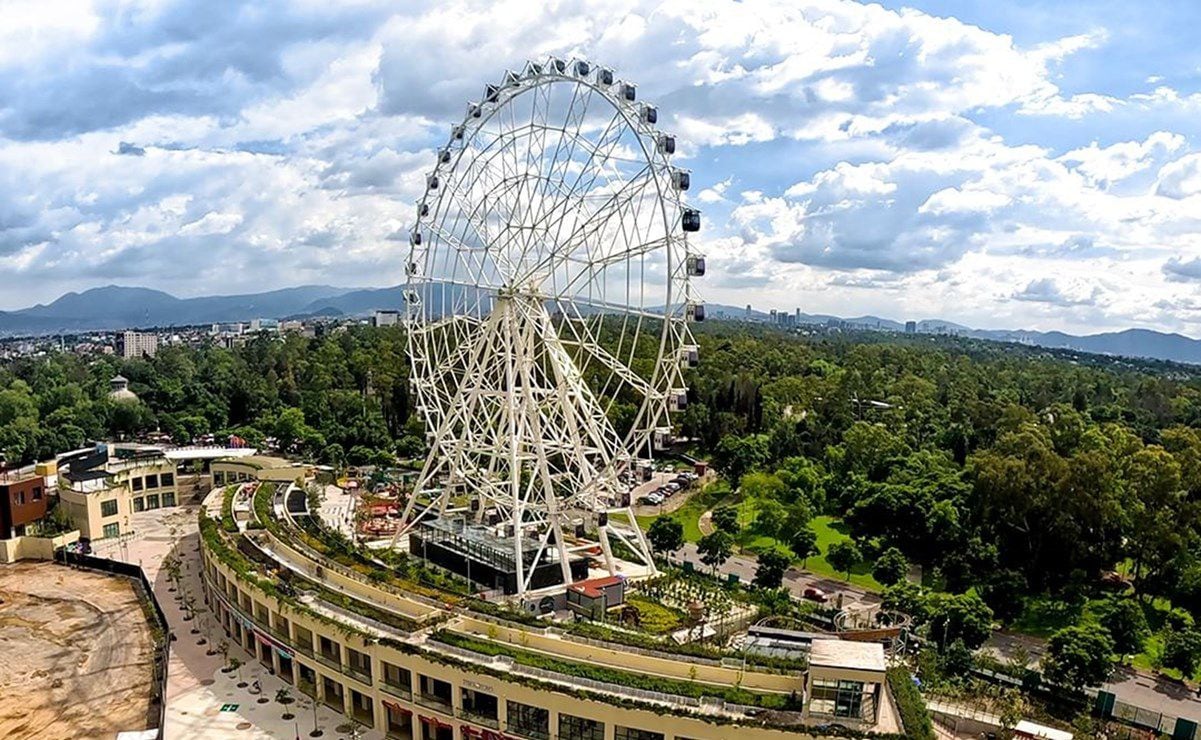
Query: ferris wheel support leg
(644,548)
(564,564)
(607,551)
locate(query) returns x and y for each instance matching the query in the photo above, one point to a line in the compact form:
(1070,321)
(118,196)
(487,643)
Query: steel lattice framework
(548,304)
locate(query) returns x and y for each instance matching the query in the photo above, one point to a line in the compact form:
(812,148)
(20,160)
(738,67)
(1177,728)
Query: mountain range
(115,307)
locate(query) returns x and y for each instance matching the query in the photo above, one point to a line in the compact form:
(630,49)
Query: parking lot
(665,504)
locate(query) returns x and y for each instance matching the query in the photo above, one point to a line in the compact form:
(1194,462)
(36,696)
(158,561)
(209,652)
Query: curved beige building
(419,664)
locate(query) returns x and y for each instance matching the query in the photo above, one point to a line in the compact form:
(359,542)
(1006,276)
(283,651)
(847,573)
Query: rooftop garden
(693,689)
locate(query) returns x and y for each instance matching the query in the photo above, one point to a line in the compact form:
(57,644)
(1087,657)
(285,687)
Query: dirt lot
(77,654)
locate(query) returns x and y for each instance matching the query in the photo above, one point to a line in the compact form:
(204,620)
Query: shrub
(915,718)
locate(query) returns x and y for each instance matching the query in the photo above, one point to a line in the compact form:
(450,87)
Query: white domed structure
(120,390)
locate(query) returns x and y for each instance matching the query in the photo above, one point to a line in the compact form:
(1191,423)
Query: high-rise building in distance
(137,344)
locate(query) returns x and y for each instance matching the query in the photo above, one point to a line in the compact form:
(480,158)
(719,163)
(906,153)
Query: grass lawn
(830,530)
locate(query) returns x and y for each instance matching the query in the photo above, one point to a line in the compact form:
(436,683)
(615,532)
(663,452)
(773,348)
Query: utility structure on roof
(548,305)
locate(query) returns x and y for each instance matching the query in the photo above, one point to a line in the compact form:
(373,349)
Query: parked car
(815,594)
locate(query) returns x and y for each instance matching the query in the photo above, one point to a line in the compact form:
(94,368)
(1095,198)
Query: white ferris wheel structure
(548,302)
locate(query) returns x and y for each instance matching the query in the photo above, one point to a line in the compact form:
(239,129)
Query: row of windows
(152,481)
(523,719)
(151,501)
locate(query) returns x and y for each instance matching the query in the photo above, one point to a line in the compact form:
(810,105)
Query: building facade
(23,501)
(411,682)
(138,344)
(101,489)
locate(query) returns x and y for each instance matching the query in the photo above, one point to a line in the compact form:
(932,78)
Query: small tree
(1013,709)
(770,518)
(284,697)
(715,549)
(843,556)
(907,598)
(725,519)
(1127,625)
(891,567)
(1079,657)
(1182,651)
(959,616)
(770,572)
(803,543)
(666,535)
(236,665)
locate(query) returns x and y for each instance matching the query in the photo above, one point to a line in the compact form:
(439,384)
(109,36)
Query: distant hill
(116,307)
(362,301)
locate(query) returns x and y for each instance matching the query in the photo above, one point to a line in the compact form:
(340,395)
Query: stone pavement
(197,690)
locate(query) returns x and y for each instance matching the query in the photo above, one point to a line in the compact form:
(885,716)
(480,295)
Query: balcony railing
(521,730)
(356,672)
(303,648)
(479,719)
(434,702)
(328,661)
(400,692)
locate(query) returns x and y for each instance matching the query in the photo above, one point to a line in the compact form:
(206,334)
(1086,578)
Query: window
(37,493)
(168,479)
(435,690)
(108,508)
(632,733)
(528,721)
(152,501)
(843,699)
(139,504)
(19,497)
(480,706)
(168,499)
(152,481)
(398,677)
(580,728)
(137,483)
(112,530)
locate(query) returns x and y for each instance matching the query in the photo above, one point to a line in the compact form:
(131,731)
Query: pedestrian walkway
(202,701)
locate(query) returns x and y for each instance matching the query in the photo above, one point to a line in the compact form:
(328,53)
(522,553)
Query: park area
(78,654)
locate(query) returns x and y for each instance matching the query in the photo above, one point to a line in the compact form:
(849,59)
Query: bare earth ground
(76,654)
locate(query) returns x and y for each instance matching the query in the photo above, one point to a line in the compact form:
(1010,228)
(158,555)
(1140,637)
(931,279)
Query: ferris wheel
(548,306)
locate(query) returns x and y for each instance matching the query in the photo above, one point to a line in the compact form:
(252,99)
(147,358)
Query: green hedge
(910,704)
(227,510)
(623,678)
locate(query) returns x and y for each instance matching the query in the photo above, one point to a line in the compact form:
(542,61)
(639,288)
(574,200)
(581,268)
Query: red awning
(435,722)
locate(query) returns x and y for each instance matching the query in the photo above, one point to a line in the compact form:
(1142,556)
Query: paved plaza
(202,701)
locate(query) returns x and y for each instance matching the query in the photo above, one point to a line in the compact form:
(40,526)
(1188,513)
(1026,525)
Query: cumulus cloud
(1178,270)
(205,147)
(1048,290)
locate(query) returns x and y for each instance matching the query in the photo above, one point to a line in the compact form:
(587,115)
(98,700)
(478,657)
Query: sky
(1004,165)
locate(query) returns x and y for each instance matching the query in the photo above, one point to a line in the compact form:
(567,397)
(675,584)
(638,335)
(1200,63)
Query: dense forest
(1003,469)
